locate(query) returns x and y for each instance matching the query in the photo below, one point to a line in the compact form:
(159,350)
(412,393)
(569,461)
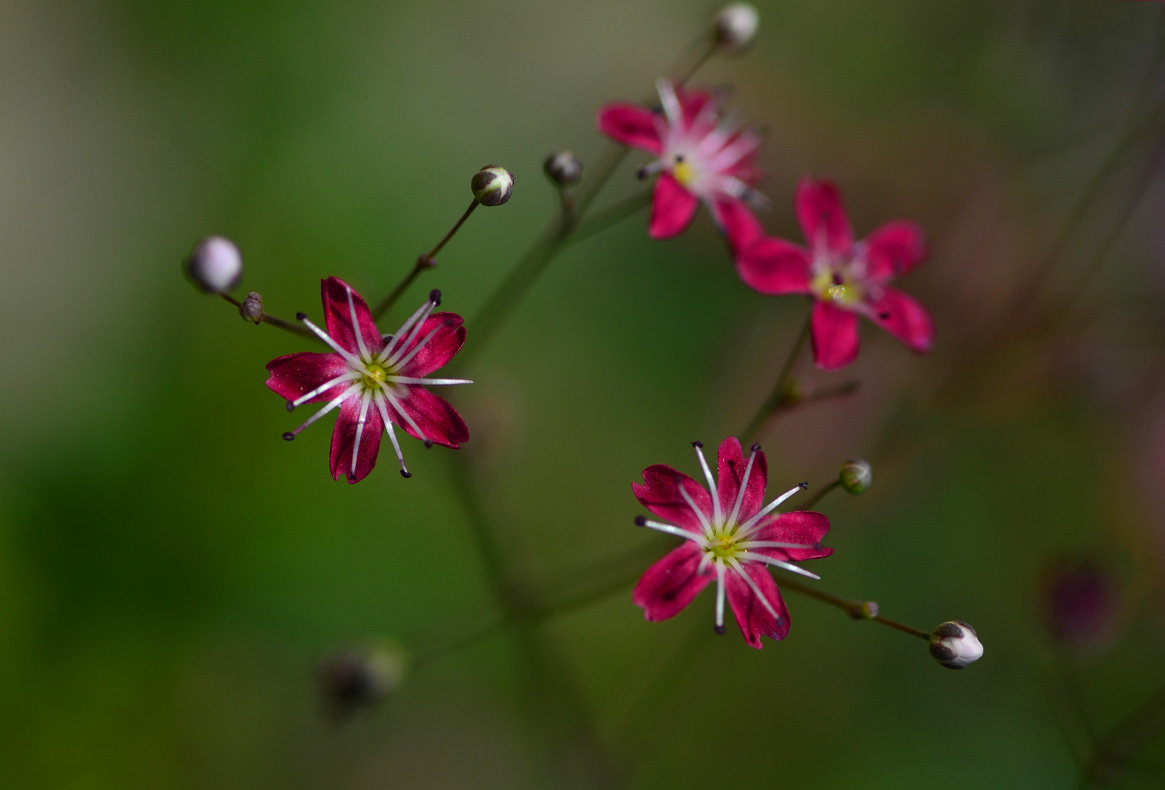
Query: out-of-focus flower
(357,676)
(376,382)
(215,265)
(845,278)
(701,158)
(955,645)
(1079,602)
(728,537)
(563,168)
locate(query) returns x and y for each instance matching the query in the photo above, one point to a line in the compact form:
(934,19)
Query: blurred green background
(171,572)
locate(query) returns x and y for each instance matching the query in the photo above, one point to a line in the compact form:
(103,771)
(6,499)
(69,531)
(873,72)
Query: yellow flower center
(683,172)
(833,286)
(722,546)
(374,376)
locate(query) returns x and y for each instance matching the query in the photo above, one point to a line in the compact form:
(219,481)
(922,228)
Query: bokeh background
(171,572)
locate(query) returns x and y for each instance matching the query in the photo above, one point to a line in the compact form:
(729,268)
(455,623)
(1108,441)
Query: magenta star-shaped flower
(376,382)
(845,278)
(729,537)
(701,158)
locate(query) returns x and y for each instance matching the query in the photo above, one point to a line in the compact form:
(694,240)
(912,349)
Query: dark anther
(837,279)
(640,521)
(804,484)
(884,316)
(405,473)
(679,158)
(428,444)
(697,443)
(300,316)
(718,629)
(288,436)
(755,448)
(642,173)
(435,296)
(290,406)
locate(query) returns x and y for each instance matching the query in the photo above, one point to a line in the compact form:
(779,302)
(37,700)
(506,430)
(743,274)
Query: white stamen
(677,531)
(392,399)
(748,527)
(752,556)
(773,544)
(669,101)
(409,356)
(360,428)
(692,504)
(651,169)
(717,513)
(356,331)
(302,399)
(392,435)
(720,597)
(705,561)
(743,488)
(736,566)
(399,337)
(426,382)
(733,153)
(324,336)
(333,403)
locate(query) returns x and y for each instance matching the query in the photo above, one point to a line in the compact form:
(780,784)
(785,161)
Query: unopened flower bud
(856,475)
(492,185)
(736,25)
(563,168)
(954,644)
(215,265)
(252,308)
(355,676)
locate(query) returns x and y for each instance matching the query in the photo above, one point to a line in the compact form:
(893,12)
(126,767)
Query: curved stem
(813,500)
(780,394)
(858,610)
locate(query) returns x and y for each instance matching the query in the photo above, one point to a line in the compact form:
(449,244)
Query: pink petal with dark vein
(440,422)
(672,208)
(904,318)
(671,583)
(630,125)
(800,526)
(440,349)
(731,464)
(344,436)
(774,267)
(293,375)
(660,493)
(753,618)
(894,249)
(822,216)
(740,225)
(338,317)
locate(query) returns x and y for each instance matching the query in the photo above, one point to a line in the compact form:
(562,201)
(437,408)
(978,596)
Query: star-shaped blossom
(846,279)
(376,382)
(701,158)
(728,537)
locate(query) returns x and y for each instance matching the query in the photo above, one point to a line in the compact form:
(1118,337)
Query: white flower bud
(736,25)
(492,185)
(215,265)
(955,645)
(563,168)
(856,475)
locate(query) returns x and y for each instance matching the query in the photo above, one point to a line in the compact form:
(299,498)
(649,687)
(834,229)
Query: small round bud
(215,265)
(954,644)
(856,475)
(355,676)
(736,25)
(252,308)
(492,185)
(563,168)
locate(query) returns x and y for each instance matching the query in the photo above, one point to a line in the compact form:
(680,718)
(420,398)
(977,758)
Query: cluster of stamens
(377,378)
(726,542)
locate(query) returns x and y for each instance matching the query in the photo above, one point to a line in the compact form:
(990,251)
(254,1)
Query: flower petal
(834,332)
(822,216)
(293,375)
(894,249)
(671,583)
(440,349)
(800,526)
(774,267)
(630,125)
(752,616)
(904,318)
(731,465)
(440,422)
(693,102)
(660,493)
(338,317)
(739,224)
(672,208)
(344,436)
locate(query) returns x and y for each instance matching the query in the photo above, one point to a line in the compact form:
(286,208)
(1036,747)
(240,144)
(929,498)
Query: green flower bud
(215,265)
(856,475)
(492,185)
(955,645)
(563,168)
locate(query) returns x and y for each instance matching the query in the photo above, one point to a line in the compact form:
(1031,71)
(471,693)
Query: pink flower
(376,382)
(845,279)
(700,158)
(729,537)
